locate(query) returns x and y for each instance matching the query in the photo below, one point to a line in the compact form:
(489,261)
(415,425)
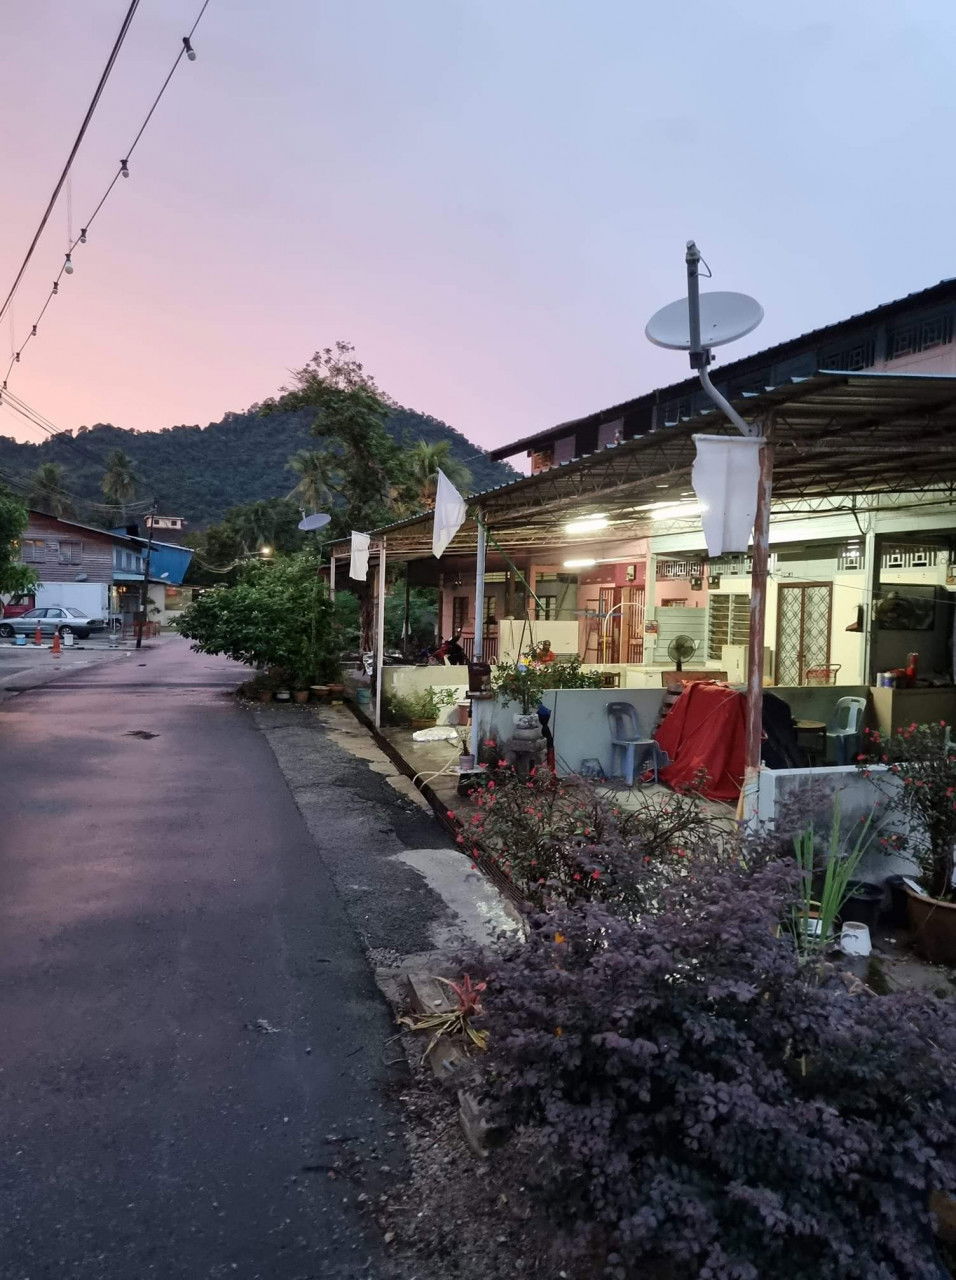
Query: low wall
(807,796)
(578,722)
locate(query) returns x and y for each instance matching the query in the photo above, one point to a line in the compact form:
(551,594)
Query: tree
(47,492)
(15,577)
(278,615)
(244,532)
(119,483)
(360,468)
(310,489)
(425,461)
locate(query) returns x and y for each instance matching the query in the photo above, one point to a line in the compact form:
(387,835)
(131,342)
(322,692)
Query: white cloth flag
(450,512)
(725,477)
(358,565)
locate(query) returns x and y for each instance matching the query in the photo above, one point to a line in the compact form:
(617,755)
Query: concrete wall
(578,722)
(807,797)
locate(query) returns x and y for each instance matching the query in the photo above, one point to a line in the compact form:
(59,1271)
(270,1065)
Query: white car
(51,619)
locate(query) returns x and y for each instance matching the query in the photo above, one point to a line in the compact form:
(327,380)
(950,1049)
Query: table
(818,729)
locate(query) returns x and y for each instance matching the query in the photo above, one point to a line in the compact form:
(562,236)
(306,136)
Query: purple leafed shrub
(685,1105)
(564,839)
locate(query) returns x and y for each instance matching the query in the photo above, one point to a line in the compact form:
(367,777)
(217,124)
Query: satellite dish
(318,521)
(724,317)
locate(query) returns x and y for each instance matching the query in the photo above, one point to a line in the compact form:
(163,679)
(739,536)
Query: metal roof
(88,528)
(834,434)
(942,291)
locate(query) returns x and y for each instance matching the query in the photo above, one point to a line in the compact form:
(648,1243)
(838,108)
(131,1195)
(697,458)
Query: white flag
(358,566)
(450,512)
(725,476)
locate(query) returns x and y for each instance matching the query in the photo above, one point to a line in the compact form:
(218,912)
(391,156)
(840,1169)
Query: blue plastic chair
(626,741)
(843,730)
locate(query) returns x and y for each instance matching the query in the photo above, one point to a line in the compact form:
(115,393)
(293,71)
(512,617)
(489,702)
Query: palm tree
(119,482)
(311,488)
(47,493)
(425,461)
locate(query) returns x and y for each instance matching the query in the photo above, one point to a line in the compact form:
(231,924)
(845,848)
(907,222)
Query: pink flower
(595,875)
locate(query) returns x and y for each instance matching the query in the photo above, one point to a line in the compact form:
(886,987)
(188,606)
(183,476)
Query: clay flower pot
(933,924)
(301,695)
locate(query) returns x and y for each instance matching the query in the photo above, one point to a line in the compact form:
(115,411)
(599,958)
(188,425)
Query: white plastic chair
(843,730)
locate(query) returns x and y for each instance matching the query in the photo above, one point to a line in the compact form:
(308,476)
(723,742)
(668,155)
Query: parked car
(50,620)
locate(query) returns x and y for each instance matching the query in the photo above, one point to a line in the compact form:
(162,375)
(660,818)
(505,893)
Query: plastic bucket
(863,904)
(20,639)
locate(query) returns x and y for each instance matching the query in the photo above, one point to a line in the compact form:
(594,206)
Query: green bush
(278,616)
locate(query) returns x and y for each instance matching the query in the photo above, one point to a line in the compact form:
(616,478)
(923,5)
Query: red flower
(595,875)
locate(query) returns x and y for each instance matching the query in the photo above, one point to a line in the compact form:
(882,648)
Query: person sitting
(543,654)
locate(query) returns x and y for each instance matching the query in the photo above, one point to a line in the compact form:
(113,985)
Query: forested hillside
(201,472)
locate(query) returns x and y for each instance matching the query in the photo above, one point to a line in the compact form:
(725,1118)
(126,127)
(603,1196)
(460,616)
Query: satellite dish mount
(695,324)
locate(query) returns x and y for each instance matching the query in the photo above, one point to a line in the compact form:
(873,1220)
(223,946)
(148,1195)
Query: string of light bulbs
(97,94)
(186,51)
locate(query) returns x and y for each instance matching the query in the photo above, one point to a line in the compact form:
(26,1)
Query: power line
(114,53)
(186,51)
(16,405)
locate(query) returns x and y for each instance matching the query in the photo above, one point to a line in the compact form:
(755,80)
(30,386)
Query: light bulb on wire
(190,51)
(83,235)
(68,265)
(124,168)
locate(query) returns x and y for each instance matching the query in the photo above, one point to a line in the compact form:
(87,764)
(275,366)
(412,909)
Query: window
(71,552)
(920,335)
(859,355)
(32,550)
(728,622)
(491,608)
(75,613)
(545,610)
(459,612)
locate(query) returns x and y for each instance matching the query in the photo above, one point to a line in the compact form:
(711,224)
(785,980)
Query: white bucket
(68,639)
(855,939)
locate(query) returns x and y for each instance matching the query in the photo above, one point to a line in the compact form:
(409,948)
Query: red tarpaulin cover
(703,733)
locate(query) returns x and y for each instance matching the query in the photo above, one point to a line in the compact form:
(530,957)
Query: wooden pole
(758,614)
(380,635)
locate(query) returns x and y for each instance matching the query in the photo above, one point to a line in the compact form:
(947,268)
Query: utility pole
(144,594)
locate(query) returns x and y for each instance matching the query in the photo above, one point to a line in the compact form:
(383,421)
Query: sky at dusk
(487,197)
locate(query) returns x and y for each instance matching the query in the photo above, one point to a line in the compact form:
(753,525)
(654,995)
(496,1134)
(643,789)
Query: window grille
(919,335)
(860,355)
(728,622)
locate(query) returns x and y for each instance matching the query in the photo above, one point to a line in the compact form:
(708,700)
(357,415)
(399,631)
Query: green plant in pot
(919,779)
(520,682)
(826,879)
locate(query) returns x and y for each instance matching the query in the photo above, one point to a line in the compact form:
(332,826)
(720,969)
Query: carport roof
(834,434)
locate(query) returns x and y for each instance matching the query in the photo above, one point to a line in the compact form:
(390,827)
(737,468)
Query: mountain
(200,472)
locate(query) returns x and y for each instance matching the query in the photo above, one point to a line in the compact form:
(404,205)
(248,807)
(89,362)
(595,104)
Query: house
(601,551)
(168,564)
(79,565)
(911,335)
(170,528)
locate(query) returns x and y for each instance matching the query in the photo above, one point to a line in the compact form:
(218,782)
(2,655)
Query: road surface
(189,1021)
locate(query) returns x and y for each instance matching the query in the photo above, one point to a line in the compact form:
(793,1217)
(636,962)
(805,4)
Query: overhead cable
(67,268)
(98,93)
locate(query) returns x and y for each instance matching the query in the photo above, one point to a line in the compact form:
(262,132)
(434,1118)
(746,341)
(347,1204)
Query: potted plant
(920,779)
(523,683)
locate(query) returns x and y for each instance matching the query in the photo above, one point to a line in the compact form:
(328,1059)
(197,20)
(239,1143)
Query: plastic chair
(625,741)
(843,730)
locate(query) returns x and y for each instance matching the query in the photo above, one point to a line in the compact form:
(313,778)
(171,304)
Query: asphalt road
(189,1024)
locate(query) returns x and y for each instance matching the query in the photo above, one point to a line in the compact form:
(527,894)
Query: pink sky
(488,199)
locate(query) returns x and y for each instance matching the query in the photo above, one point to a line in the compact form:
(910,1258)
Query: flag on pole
(450,512)
(725,476)
(358,565)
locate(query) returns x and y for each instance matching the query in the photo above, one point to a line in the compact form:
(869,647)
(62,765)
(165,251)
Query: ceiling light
(579,564)
(587,524)
(677,511)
